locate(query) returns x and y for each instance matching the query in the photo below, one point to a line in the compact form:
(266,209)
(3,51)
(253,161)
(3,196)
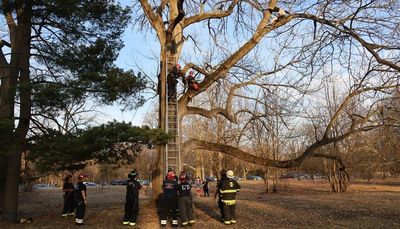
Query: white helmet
(229,174)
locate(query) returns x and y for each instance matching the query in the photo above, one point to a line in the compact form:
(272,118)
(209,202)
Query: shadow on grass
(212,211)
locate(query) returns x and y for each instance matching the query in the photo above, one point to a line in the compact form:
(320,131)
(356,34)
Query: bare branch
(209,15)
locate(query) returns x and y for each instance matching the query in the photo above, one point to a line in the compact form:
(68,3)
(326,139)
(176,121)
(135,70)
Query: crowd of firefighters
(176,198)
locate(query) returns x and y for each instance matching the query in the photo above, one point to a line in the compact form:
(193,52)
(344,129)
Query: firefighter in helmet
(81,200)
(185,200)
(132,199)
(228,190)
(170,189)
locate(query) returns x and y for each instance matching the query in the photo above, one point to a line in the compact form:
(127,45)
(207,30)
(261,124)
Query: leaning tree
(296,43)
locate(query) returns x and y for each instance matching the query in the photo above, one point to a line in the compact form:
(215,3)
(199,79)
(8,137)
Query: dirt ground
(299,204)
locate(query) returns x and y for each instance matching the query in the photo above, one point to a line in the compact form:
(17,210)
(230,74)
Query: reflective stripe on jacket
(228,190)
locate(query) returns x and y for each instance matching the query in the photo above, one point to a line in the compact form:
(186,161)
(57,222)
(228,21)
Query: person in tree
(81,200)
(132,199)
(217,193)
(192,82)
(205,188)
(170,189)
(229,188)
(185,200)
(172,81)
(68,189)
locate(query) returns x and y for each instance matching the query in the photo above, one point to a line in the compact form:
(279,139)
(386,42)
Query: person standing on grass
(217,193)
(81,200)
(228,190)
(68,189)
(205,188)
(132,199)
(185,200)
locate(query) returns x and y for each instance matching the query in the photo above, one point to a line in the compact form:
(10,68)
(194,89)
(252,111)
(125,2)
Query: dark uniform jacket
(229,188)
(184,189)
(132,189)
(170,188)
(68,194)
(80,187)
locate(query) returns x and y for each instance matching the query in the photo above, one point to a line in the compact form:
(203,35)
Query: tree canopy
(113,143)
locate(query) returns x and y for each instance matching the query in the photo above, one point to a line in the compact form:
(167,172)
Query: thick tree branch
(178,18)
(222,70)
(155,20)
(240,154)
(209,15)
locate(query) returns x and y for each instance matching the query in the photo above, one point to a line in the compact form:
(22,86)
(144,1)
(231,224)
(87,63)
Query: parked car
(43,186)
(212,179)
(119,182)
(145,182)
(252,177)
(238,178)
(288,176)
(115,182)
(90,183)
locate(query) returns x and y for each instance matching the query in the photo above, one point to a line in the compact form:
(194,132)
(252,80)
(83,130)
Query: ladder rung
(173,157)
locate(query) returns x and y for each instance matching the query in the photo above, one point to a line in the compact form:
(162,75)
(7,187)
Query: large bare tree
(258,45)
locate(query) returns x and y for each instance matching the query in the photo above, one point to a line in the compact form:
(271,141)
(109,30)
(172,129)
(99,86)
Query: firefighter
(217,193)
(132,199)
(68,189)
(81,200)
(228,189)
(185,200)
(172,81)
(170,188)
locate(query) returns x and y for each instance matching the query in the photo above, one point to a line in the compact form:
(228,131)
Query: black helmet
(133,174)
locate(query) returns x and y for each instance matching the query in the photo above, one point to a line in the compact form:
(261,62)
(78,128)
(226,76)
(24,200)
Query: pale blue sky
(140,50)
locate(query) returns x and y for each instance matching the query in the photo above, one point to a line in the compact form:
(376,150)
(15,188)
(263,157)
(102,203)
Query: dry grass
(300,204)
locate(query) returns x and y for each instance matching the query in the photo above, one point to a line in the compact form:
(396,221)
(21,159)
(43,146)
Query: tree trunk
(10,212)
(275,181)
(157,173)
(266,180)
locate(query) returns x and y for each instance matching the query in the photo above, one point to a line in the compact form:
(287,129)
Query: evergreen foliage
(114,143)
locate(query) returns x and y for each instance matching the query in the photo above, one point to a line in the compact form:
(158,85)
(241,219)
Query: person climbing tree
(68,189)
(172,81)
(185,200)
(81,200)
(170,188)
(132,199)
(229,188)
